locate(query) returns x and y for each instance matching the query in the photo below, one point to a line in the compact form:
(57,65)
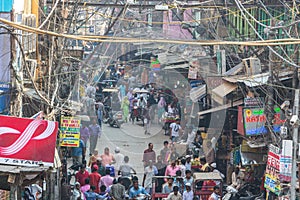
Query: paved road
(132,142)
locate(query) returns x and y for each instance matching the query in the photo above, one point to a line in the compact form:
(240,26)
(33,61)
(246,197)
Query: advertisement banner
(27,142)
(69,132)
(286,160)
(255,120)
(272,182)
(155,64)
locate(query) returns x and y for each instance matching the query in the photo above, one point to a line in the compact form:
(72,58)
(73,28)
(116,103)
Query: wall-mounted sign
(272,182)
(27,142)
(155,64)
(255,121)
(69,132)
(254,102)
(286,160)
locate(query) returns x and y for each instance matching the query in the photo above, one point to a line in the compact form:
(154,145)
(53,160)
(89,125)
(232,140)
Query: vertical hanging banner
(286,160)
(272,182)
(27,142)
(69,131)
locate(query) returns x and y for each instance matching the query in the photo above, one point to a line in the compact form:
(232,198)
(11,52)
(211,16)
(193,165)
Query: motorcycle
(136,113)
(246,192)
(106,114)
(113,118)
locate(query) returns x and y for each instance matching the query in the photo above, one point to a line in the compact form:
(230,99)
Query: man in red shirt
(95,178)
(81,175)
(149,154)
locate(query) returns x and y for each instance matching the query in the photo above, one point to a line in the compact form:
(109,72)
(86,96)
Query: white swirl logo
(25,136)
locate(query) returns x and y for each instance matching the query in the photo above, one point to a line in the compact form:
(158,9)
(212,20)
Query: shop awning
(207,176)
(222,90)
(197,92)
(229,105)
(182,66)
(169,58)
(31,93)
(250,81)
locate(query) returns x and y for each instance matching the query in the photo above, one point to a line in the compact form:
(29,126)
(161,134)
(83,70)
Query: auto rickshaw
(204,183)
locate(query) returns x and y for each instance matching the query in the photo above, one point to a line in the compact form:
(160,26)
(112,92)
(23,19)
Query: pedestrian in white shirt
(150,171)
(119,159)
(191,138)
(175,129)
(175,195)
(215,170)
(182,167)
(188,194)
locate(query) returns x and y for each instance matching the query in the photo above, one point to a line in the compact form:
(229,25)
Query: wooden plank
(229,105)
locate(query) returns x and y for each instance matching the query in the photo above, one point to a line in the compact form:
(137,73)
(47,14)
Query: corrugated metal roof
(182,66)
(250,81)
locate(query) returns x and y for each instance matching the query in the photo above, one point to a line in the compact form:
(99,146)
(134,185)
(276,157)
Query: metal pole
(270,94)
(295,144)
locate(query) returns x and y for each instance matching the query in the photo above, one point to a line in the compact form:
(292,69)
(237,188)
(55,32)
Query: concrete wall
(172,29)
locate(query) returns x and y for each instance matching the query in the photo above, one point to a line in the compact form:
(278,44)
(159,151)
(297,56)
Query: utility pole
(270,103)
(295,146)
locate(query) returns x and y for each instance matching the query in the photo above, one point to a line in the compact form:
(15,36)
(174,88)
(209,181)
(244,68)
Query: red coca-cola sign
(27,142)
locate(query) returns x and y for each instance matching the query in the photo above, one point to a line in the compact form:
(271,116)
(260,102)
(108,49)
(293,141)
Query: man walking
(150,171)
(119,159)
(165,152)
(117,191)
(100,109)
(175,129)
(149,154)
(95,133)
(78,153)
(95,178)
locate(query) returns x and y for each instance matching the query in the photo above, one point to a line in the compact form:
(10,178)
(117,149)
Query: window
(177,15)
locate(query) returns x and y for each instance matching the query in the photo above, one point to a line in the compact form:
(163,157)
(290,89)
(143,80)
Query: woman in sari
(125,108)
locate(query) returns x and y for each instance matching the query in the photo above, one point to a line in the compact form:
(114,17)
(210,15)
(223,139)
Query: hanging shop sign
(240,122)
(26,141)
(254,102)
(155,64)
(69,131)
(193,72)
(272,182)
(255,120)
(286,160)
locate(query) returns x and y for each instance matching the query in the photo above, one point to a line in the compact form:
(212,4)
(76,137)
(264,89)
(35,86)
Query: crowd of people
(106,176)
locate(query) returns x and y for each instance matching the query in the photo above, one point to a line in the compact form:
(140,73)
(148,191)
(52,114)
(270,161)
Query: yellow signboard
(69,131)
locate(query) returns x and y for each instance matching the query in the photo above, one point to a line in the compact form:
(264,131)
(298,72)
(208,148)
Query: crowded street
(149,100)
(132,142)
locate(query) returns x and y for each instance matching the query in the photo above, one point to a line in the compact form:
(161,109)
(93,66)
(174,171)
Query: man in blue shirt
(137,191)
(95,133)
(91,195)
(78,153)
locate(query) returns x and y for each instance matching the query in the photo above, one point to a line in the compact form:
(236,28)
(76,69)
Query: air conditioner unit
(32,65)
(252,66)
(29,39)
